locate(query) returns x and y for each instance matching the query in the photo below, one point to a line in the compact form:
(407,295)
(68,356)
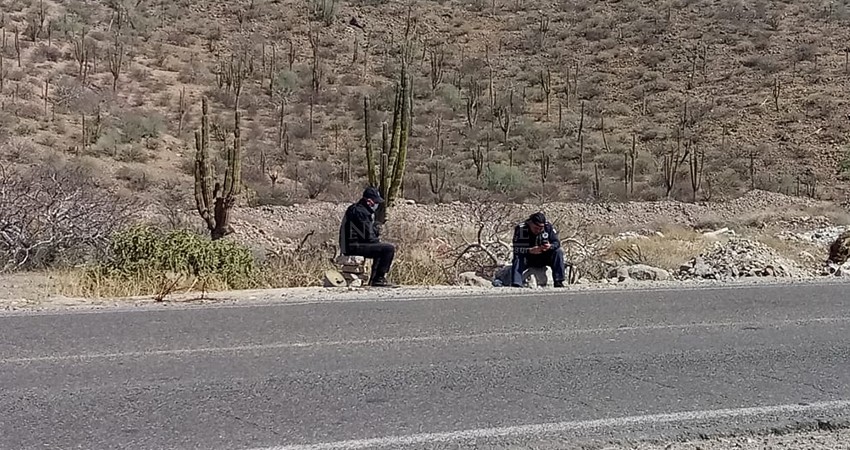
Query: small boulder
(472,279)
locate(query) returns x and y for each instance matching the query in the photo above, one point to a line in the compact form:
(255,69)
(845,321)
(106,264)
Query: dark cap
(538,218)
(373,194)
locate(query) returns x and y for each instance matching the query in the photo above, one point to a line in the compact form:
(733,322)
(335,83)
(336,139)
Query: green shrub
(143,252)
(137,125)
(505,179)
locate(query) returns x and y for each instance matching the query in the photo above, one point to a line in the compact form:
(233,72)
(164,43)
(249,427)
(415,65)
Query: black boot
(381,282)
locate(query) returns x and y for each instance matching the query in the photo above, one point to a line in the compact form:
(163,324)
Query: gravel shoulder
(321,294)
(809,440)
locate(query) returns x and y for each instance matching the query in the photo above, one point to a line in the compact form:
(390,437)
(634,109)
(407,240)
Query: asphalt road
(538,369)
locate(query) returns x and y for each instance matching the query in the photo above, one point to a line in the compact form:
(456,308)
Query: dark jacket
(358,227)
(524,239)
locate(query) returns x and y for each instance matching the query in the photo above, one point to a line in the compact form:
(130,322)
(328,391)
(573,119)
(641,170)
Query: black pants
(551,258)
(381,254)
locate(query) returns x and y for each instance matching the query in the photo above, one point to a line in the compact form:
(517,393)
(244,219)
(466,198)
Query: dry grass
(676,246)
(416,266)
(88,284)
(807,254)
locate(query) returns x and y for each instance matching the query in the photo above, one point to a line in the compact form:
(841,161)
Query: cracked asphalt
(539,370)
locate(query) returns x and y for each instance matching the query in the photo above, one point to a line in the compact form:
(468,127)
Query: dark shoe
(559,284)
(382,282)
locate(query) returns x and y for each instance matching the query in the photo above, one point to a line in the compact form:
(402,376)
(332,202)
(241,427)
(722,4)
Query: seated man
(359,236)
(536,244)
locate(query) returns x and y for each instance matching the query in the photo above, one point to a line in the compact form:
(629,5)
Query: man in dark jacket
(359,235)
(536,244)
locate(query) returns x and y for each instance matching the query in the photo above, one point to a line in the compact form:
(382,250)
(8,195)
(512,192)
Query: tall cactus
(371,171)
(388,177)
(213,202)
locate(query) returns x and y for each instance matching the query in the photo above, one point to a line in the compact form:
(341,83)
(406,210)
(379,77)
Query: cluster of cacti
(389,173)
(213,200)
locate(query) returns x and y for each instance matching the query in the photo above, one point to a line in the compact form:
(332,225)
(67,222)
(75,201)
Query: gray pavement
(540,370)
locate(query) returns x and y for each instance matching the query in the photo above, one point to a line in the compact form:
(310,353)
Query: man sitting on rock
(536,244)
(359,235)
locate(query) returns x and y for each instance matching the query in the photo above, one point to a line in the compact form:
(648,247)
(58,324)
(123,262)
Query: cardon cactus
(389,175)
(214,202)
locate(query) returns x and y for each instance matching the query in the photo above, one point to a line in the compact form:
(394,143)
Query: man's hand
(539,249)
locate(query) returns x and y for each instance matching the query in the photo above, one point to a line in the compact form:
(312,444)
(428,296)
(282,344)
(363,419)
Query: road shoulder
(411,293)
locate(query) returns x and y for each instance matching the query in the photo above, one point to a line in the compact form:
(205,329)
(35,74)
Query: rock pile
(737,258)
(821,236)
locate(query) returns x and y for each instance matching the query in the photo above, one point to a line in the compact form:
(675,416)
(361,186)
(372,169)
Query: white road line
(561,427)
(417,339)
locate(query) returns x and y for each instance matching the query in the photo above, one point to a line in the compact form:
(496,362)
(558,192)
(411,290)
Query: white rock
(542,276)
(640,272)
(472,279)
(718,233)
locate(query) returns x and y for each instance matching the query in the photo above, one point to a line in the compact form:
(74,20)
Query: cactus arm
(370,157)
(403,134)
(233,174)
(385,161)
(203,169)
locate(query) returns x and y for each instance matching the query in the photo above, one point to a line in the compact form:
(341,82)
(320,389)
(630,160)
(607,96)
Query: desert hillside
(734,110)
(519,99)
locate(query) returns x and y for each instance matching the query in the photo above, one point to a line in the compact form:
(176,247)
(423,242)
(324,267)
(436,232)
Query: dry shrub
(674,247)
(303,268)
(56,214)
(485,245)
(420,255)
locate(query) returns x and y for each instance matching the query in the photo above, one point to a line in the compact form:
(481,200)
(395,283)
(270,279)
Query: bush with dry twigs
(487,245)
(55,214)
(583,246)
